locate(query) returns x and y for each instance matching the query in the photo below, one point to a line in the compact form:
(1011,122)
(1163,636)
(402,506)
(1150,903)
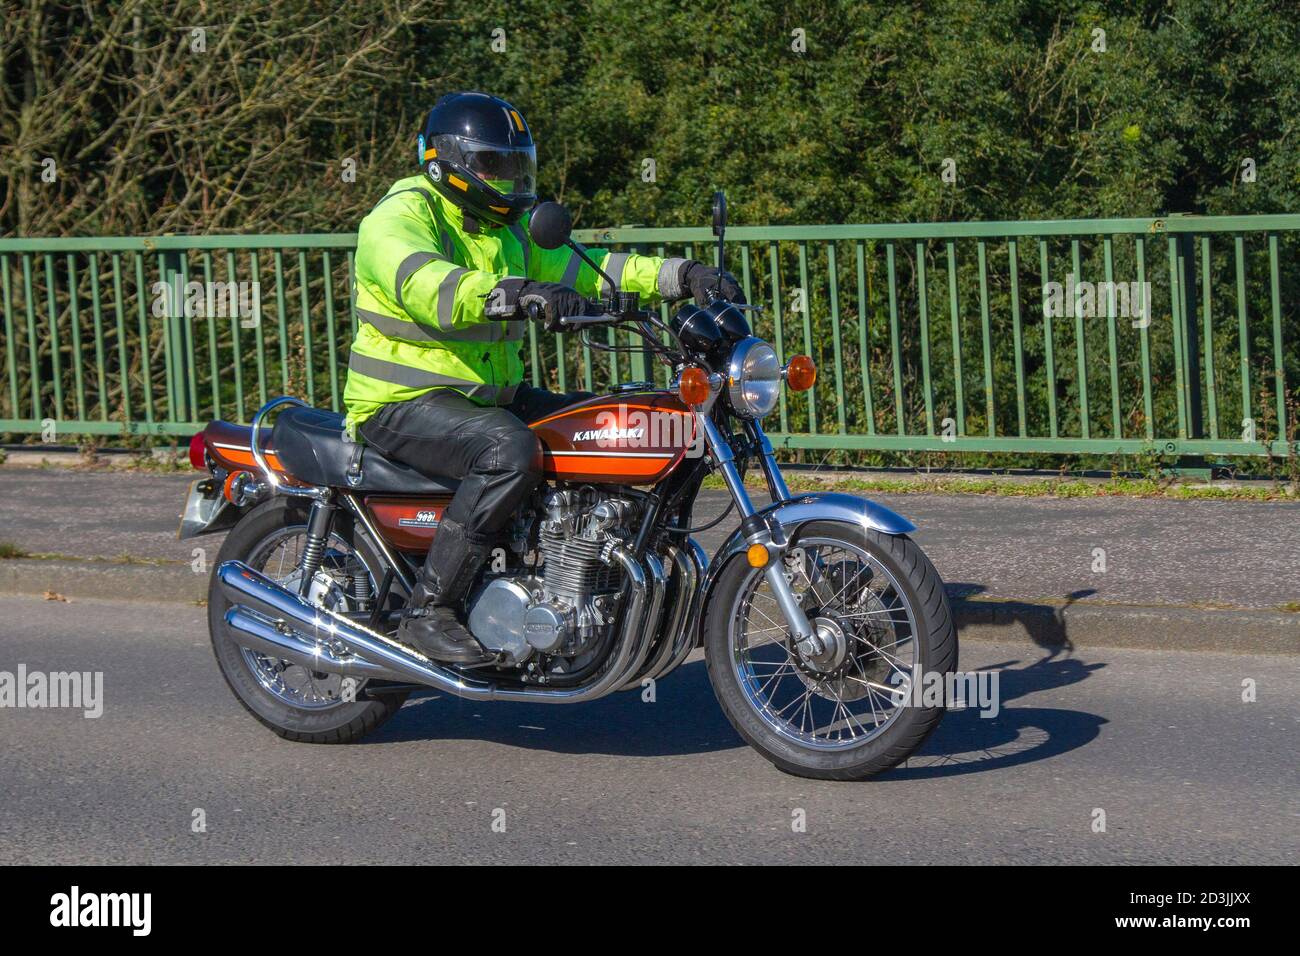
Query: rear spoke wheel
(279,557)
(295,702)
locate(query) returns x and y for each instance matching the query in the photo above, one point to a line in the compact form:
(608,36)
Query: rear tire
(338,723)
(931,627)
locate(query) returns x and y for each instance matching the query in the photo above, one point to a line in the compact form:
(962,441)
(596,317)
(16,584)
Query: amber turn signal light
(800,373)
(228,487)
(693,385)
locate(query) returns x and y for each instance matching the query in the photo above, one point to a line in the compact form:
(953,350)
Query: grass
(9,550)
(168,463)
(1013,488)
(1006,486)
(91,458)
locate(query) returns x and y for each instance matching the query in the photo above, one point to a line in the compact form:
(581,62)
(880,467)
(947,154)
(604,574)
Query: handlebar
(581,321)
(534,310)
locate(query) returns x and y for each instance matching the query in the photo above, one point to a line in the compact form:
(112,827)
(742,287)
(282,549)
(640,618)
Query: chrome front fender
(799,510)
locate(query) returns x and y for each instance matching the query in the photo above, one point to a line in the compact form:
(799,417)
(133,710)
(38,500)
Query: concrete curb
(1052,626)
(104,579)
(1171,627)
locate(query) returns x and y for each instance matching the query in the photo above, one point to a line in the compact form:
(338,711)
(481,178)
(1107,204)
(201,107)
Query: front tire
(845,712)
(310,715)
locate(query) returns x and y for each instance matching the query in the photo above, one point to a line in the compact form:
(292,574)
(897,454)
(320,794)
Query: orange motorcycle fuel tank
(635,437)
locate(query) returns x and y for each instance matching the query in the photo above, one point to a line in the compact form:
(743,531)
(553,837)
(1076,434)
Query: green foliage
(9,550)
(825,112)
(250,134)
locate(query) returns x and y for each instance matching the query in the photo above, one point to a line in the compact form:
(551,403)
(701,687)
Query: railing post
(171,267)
(1191,357)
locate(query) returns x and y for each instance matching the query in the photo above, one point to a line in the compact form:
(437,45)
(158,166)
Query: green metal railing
(928,337)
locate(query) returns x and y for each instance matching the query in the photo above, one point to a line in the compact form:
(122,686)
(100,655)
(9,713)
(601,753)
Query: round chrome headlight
(753,378)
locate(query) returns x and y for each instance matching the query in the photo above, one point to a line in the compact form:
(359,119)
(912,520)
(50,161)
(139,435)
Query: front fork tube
(756,530)
(779,491)
(776,486)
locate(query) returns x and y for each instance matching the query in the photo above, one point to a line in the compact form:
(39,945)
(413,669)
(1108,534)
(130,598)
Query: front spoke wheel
(850,683)
(838,705)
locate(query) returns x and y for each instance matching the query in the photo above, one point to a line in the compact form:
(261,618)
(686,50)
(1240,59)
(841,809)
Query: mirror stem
(718,288)
(582,254)
(720,229)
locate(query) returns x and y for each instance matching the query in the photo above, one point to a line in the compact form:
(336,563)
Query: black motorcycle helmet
(477,151)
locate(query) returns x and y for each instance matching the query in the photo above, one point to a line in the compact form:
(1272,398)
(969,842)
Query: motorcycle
(818,615)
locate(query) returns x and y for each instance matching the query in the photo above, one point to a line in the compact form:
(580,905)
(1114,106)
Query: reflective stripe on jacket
(422,284)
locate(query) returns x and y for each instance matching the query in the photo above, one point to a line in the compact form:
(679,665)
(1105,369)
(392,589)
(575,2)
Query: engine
(571,597)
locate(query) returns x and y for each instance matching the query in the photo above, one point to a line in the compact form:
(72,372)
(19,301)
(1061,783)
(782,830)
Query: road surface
(1157,552)
(1184,770)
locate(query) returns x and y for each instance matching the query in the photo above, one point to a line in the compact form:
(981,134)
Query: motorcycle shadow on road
(685,719)
(967,741)
(1043,623)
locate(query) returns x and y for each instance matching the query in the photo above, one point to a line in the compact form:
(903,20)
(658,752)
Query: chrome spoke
(279,556)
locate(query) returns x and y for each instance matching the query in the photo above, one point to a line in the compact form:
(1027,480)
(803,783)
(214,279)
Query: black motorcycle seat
(310,445)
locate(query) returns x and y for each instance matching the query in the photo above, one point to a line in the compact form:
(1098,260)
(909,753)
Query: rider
(444,269)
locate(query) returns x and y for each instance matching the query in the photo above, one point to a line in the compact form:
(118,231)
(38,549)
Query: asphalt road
(1185,771)
(1236,554)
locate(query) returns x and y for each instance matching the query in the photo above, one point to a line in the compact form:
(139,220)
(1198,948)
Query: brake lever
(579,321)
(743,306)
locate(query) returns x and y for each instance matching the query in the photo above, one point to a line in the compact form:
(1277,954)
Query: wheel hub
(289,682)
(826,651)
(827,667)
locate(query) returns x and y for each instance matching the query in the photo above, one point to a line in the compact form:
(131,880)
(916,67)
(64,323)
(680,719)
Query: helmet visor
(511,172)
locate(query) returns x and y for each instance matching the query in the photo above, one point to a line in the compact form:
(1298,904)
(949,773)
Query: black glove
(703,283)
(551,301)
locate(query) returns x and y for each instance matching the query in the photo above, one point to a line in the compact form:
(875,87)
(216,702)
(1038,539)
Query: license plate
(202,509)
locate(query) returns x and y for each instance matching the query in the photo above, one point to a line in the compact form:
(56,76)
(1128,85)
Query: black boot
(431,623)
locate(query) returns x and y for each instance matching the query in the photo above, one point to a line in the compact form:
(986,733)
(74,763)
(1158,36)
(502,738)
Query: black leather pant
(490,450)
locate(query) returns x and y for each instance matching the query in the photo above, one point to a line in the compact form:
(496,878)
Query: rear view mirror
(550,225)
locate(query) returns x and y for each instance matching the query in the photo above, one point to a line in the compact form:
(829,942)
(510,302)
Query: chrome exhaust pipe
(653,619)
(273,620)
(282,642)
(664,620)
(689,579)
(690,626)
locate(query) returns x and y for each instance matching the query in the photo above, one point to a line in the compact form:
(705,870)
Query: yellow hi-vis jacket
(422,286)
